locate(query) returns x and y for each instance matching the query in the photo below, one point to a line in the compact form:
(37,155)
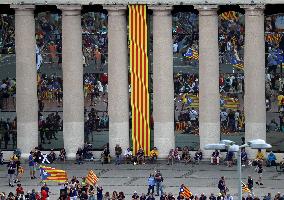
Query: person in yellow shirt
(154,154)
(280,98)
(259,155)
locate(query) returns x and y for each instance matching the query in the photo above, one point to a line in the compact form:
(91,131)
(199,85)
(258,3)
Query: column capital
(23,10)
(74,8)
(207,9)
(115,10)
(161,10)
(253,9)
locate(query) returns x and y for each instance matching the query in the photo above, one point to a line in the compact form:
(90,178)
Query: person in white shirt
(224,117)
(128,155)
(237,116)
(193,115)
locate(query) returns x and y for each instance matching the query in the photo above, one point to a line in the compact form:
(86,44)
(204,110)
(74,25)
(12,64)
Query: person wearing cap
(135,196)
(212,197)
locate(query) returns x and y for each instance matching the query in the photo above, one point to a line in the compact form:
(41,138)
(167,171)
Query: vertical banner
(139,78)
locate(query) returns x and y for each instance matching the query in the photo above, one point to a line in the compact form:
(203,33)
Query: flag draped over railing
(139,78)
(273,37)
(52,174)
(229,15)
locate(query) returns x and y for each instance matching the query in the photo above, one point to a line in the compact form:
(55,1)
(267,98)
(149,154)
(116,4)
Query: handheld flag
(237,63)
(52,174)
(185,192)
(191,54)
(245,188)
(92,178)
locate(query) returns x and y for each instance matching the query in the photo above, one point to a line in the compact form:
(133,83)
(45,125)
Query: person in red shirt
(19,190)
(43,195)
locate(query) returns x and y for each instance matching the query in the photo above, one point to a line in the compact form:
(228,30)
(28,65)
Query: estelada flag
(245,188)
(52,174)
(92,178)
(185,192)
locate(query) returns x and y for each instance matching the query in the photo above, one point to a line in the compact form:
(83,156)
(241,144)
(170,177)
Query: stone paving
(129,178)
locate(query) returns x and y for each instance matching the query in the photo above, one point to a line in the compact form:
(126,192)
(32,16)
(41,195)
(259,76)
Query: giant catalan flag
(52,174)
(139,78)
(229,15)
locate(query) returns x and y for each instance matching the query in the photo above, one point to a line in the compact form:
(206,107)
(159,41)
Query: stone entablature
(150,2)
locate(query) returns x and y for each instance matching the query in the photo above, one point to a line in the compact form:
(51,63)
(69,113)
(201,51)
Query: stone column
(163,85)
(72,66)
(209,97)
(118,92)
(254,68)
(26,75)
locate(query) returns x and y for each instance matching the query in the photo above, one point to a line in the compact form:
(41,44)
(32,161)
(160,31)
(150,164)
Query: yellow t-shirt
(279,98)
(154,153)
(260,156)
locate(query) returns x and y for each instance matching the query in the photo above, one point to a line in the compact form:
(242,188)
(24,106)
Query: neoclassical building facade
(118,89)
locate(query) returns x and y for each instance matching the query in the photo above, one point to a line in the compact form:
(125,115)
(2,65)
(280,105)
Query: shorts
(32,168)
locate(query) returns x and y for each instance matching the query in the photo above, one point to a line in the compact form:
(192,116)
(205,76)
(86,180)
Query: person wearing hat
(135,196)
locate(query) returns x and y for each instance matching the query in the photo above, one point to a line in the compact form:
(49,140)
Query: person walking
(158,180)
(151,184)
(259,170)
(118,152)
(222,185)
(11,172)
(250,183)
(32,164)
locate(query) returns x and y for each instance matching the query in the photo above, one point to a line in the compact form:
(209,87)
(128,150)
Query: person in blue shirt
(271,159)
(151,184)
(99,193)
(32,165)
(244,157)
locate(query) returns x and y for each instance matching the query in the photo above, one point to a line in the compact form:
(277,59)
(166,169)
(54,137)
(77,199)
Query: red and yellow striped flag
(92,178)
(229,15)
(139,78)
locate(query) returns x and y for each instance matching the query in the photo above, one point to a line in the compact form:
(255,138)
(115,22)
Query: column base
(73,134)
(254,131)
(209,134)
(164,138)
(118,134)
(27,137)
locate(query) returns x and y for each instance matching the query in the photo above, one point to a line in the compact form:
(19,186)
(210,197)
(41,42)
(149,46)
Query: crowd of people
(7,34)
(8,133)
(79,188)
